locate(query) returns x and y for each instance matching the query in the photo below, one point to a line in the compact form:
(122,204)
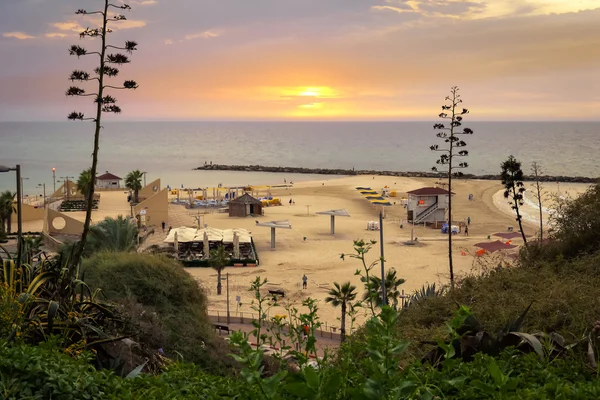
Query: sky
(312,59)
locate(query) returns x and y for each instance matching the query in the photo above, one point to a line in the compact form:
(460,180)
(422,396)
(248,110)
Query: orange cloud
(18,35)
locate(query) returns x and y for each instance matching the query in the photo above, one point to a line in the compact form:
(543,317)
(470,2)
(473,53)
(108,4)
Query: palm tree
(392,293)
(218,260)
(114,235)
(341,296)
(133,181)
(84,181)
(7,207)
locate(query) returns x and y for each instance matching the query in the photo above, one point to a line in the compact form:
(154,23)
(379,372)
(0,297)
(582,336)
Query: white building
(108,181)
(428,205)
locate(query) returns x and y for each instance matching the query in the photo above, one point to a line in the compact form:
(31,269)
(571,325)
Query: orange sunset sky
(314,59)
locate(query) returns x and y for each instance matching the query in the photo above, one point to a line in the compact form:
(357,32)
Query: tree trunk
(343,327)
(520,222)
(539,196)
(136,196)
(90,195)
(9,223)
(219,283)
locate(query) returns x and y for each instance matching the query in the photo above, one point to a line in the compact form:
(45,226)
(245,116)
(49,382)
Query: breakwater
(339,171)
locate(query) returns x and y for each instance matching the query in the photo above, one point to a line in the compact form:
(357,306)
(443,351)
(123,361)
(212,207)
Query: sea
(170,150)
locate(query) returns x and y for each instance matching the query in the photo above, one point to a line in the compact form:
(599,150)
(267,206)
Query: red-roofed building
(108,181)
(427,205)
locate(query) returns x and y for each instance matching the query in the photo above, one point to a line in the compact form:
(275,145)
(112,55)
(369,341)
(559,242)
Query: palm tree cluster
(7,208)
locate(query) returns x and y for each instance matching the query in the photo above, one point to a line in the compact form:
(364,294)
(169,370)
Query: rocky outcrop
(327,171)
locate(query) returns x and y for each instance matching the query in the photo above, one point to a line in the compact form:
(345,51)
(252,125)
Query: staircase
(426,213)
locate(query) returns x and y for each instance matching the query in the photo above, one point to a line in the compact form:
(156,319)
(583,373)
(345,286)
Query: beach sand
(319,255)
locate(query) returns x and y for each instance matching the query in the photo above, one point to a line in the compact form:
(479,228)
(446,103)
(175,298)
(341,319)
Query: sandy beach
(318,256)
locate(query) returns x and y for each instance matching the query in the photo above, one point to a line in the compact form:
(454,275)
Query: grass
(165,305)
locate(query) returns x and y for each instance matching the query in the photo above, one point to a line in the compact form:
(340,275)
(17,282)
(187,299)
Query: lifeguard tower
(428,205)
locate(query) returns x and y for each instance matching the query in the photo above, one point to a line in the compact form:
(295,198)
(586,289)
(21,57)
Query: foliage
(104,103)
(165,306)
(7,208)
(52,303)
(392,293)
(425,292)
(84,181)
(341,295)
(451,135)
(512,179)
(133,182)
(218,260)
(361,249)
(575,226)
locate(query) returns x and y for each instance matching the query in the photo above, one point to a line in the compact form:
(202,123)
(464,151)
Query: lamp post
(44,186)
(17,169)
(228,314)
(54,179)
(144,177)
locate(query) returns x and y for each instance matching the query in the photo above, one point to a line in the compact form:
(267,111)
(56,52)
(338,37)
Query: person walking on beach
(468,220)
(290,202)
(467,230)
(163,225)
(304,281)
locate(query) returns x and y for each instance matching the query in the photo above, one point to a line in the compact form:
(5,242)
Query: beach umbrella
(495,246)
(510,235)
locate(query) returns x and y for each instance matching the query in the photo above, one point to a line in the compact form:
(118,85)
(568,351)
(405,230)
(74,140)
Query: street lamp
(44,186)
(54,179)
(17,169)
(144,177)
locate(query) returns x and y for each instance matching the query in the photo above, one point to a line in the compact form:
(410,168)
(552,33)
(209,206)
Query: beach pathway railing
(246,318)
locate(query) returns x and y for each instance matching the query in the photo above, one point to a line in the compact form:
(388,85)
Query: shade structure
(364,192)
(374,198)
(363,188)
(175,242)
(214,235)
(495,246)
(333,214)
(184,235)
(243,236)
(275,225)
(510,235)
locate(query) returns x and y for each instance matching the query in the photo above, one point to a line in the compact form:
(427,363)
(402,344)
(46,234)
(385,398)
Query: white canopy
(242,234)
(214,235)
(184,235)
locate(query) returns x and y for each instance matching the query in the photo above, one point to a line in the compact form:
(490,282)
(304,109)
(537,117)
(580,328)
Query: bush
(564,295)
(166,306)
(28,372)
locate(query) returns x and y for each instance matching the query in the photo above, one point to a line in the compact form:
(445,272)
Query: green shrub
(166,306)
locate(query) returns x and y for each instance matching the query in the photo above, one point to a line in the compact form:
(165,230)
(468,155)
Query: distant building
(108,181)
(427,205)
(244,206)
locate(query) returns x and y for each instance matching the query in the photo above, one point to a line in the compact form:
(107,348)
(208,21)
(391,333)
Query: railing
(237,317)
(427,212)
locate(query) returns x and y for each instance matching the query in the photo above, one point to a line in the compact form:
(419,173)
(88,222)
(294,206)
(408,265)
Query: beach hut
(244,206)
(428,204)
(108,181)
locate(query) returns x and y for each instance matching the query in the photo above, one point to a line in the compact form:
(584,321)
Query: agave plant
(56,304)
(466,338)
(424,293)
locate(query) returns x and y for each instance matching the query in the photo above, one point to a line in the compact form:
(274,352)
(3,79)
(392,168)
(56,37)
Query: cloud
(76,26)
(56,35)
(18,35)
(144,2)
(202,35)
(168,41)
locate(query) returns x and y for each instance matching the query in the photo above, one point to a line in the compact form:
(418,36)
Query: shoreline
(353,172)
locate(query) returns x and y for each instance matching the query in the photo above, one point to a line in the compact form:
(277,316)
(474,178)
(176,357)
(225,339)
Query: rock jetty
(327,171)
